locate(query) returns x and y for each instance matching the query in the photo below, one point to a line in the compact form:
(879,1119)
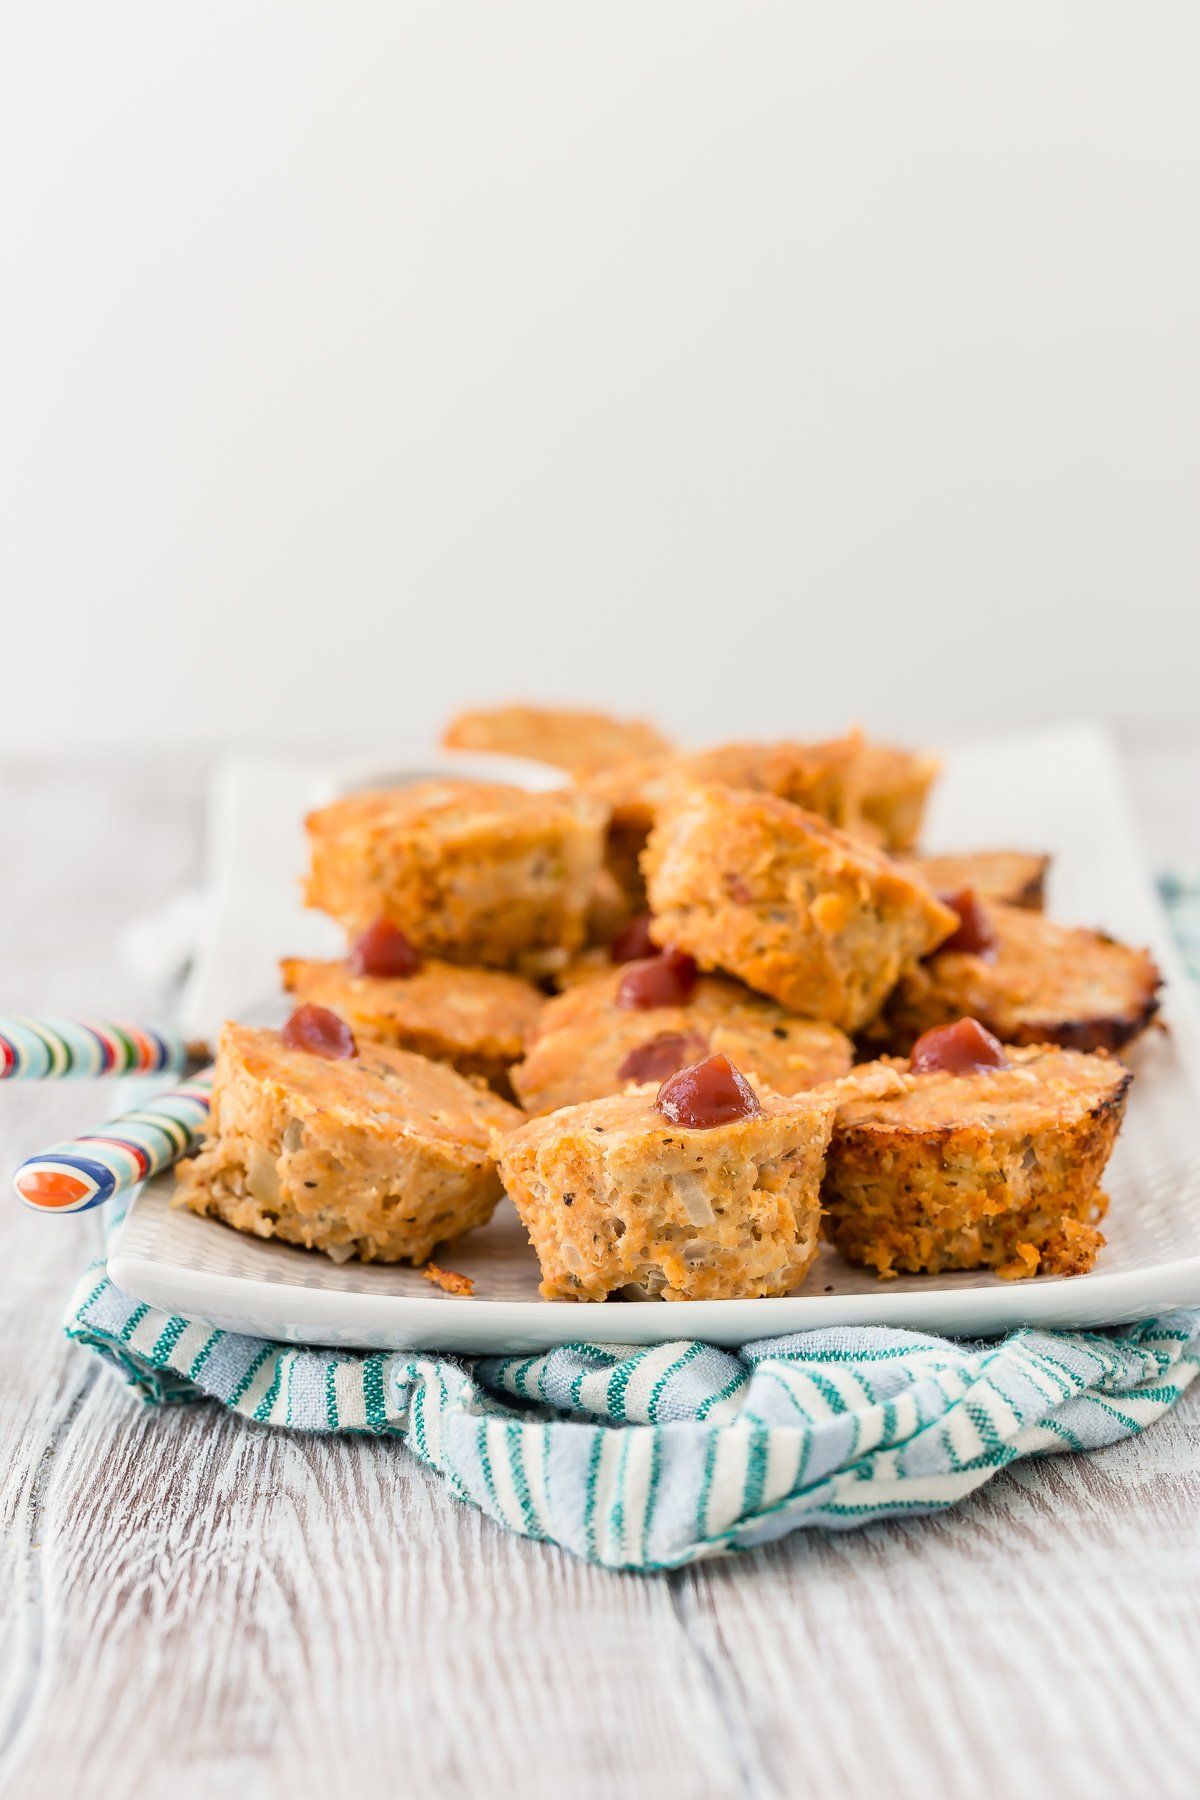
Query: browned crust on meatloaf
(583,1037)
(379,1156)
(477,1020)
(1013,877)
(618,1199)
(998,1169)
(471,871)
(759,888)
(1044,984)
(568,737)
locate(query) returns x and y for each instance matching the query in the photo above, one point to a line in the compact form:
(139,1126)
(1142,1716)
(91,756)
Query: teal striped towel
(652,1459)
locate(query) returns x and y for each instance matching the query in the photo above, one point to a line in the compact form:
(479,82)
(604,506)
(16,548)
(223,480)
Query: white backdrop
(761,366)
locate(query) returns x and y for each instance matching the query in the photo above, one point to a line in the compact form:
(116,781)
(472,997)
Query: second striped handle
(86,1171)
(48,1048)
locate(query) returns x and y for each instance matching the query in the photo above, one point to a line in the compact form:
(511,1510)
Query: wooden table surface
(193,1606)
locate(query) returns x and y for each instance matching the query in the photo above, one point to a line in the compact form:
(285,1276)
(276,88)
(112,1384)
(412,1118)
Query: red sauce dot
(383,950)
(662,1055)
(707,1093)
(320,1032)
(974,935)
(959,1049)
(665,980)
(634,941)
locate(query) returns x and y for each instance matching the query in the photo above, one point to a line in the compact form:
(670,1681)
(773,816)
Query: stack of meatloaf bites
(688,1011)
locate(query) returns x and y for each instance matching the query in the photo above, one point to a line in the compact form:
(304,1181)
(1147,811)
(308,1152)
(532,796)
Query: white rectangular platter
(1059,790)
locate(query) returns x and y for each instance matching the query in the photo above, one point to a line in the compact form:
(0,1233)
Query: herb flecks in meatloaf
(380,1156)
(618,1200)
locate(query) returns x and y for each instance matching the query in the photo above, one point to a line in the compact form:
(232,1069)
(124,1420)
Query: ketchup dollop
(321,1032)
(633,942)
(974,935)
(707,1093)
(662,1055)
(663,980)
(383,949)
(959,1049)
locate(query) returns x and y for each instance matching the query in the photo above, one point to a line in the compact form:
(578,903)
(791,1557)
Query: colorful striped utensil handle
(41,1049)
(86,1171)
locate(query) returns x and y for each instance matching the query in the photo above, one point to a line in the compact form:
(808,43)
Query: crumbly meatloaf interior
(1043,983)
(618,1200)
(477,1020)
(997,1169)
(755,886)
(380,1156)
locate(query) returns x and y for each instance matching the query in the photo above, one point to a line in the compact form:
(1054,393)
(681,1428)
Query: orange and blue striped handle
(86,1171)
(41,1049)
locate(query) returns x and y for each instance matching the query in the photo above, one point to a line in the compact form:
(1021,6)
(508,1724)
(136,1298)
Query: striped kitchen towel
(651,1459)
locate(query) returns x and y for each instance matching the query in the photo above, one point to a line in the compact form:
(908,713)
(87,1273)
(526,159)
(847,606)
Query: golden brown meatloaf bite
(380,1156)
(477,1020)
(617,1199)
(471,872)
(1014,877)
(998,1169)
(870,790)
(586,1045)
(752,885)
(1039,983)
(565,736)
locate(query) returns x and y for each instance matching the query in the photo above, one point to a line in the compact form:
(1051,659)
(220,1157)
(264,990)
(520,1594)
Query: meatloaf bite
(755,886)
(477,1020)
(883,795)
(870,790)
(565,736)
(366,1152)
(587,1044)
(471,872)
(619,1198)
(994,1167)
(1030,982)
(1015,877)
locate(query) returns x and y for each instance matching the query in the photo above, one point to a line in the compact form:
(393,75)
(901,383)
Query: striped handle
(40,1049)
(86,1171)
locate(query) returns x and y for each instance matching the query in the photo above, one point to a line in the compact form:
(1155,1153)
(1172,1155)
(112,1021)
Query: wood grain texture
(192,1606)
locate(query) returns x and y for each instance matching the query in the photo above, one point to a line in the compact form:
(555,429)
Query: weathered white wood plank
(1044,1638)
(282,1613)
(192,1606)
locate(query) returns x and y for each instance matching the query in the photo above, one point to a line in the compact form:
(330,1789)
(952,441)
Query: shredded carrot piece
(449,1279)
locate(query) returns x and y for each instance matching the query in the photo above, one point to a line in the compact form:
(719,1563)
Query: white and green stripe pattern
(652,1459)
